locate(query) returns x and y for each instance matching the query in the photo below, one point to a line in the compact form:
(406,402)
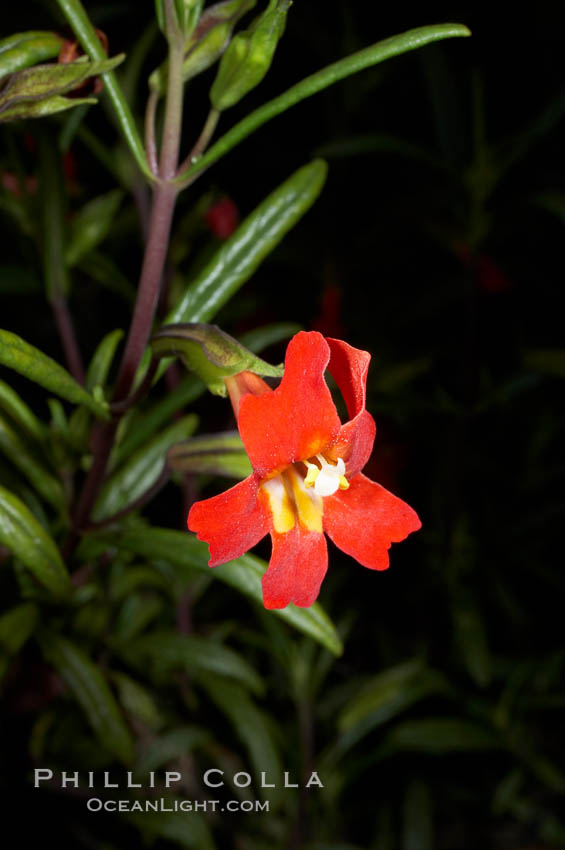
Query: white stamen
(327,481)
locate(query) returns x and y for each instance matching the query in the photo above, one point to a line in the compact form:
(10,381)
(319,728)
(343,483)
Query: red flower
(306,477)
(222,217)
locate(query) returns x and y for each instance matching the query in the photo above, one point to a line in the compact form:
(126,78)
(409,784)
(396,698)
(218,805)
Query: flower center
(293,496)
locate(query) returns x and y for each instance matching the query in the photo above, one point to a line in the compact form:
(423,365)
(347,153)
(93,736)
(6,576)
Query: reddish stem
(68,338)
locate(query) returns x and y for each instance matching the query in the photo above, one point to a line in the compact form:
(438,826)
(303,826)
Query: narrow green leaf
(21,533)
(167,748)
(145,424)
(20,413)
(91,225)
(550,361)
(85,32)
(16,626)
(252,727)
(438,735)
(213,454)
(170,651)
(239,256)
(387,49)
(186,553)
(36,473)
(185,830)
(471,636)
(137,611)
(418,824)
(33,364)
(386,695)
(137,700)
(102,358)
(90,689)
(141,470)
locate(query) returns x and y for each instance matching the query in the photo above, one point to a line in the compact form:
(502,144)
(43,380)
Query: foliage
(427,698)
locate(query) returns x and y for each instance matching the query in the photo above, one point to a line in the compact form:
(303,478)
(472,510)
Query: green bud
(24,49)
(187,13)
(34,92)
(249,56)
(211,353)
(207,43)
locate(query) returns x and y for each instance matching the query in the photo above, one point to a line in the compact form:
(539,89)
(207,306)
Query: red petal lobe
(365,519)
(296,570)
(299,418)
(232,522)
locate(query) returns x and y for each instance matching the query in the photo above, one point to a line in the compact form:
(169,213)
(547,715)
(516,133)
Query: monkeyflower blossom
(306,478)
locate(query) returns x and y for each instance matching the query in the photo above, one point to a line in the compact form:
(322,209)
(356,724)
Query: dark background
(437,245)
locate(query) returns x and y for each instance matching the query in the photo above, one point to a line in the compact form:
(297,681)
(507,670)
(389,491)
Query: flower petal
(365,519)
(299,418)
(298,565)
(231,522)
(349,366)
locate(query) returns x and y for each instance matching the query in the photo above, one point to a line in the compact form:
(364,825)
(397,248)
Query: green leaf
(16,626)
(437,736)
(140,472)
(27,48)
(252,727)
(387,49)
(21,533)
(85,32)
(15,449)
(385,696)
(186,830)
(144,425)
(471,636)
(210,352)
(21,414)
(418,817)
(90,689)
(33,364)
(167,748)
(170,651)
(102,358)
(35,88)
(187,554)
(213,454)
(91,225)
(136,700)
(550,361)
(137,611)
(237,259)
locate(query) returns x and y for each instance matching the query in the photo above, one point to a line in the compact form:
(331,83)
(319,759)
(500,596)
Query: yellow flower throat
(293,495)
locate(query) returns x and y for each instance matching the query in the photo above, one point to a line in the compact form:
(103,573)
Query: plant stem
(202,141)
(67,336)
(150,144)
(156,248)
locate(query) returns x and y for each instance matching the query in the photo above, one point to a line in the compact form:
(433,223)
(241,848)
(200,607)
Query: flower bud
(211,353)
(207,43)
(249,56)
(24,49)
